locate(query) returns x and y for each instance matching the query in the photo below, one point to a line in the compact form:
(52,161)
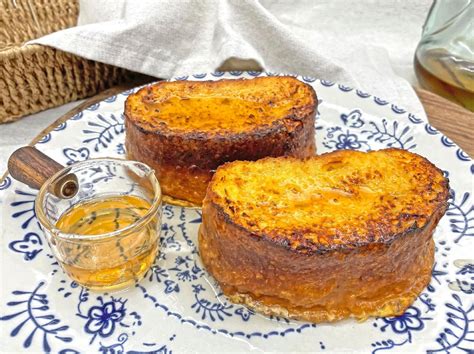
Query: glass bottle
(444,58)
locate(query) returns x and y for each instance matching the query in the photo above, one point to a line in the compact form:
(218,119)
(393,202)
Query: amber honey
(114,261)
(444,75)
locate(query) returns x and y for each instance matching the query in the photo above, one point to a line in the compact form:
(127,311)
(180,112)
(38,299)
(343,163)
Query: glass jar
(444,58)
(107,235)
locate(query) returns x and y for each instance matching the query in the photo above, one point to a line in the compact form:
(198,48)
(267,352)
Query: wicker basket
(34,77)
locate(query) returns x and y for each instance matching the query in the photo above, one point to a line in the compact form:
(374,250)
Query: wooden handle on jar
(33,168)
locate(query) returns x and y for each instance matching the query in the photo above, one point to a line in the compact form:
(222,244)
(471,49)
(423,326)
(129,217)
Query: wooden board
(452,120)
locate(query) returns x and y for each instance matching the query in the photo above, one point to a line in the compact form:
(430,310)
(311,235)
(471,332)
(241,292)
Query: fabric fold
(169,38)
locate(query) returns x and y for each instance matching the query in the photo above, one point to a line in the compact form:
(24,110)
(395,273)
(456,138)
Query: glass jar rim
(46,223)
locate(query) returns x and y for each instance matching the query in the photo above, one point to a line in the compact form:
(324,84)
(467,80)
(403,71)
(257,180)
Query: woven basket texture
(34,77)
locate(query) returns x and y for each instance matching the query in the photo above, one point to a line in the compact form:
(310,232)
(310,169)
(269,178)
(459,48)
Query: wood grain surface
(452,120)
(32,167)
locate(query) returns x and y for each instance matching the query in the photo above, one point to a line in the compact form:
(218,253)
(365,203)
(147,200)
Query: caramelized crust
(185,129)
(344,234)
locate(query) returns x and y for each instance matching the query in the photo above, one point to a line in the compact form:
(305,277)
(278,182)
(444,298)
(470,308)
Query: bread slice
(186,129)
(344,234)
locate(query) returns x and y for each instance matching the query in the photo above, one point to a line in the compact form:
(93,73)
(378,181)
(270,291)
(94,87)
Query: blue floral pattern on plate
(178,306)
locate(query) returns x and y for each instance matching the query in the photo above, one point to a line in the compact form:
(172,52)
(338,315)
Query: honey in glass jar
(106,236)
(444,59)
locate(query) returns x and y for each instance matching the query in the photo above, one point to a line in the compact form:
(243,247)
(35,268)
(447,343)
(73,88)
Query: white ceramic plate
(178,307)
